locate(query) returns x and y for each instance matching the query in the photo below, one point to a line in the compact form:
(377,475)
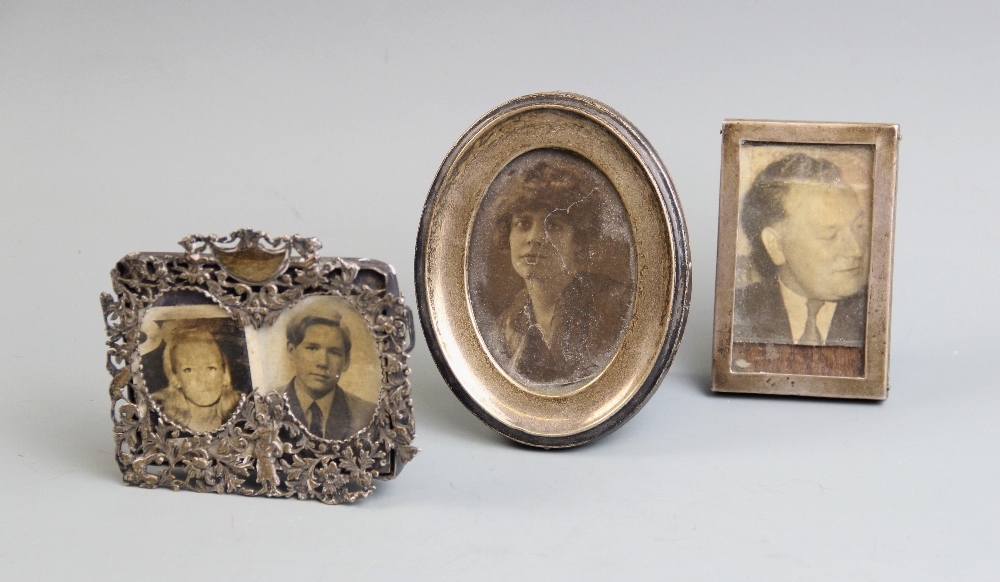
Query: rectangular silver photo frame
(251,365)
(804,267)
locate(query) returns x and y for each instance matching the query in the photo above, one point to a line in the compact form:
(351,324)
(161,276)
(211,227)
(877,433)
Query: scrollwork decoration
(262,450)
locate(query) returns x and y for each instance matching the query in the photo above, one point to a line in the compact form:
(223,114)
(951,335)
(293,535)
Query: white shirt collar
(798,313)
(323,403)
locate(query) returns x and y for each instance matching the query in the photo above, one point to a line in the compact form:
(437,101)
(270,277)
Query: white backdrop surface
(125,126)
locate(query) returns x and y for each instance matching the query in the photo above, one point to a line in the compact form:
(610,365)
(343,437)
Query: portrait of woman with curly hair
(551,270)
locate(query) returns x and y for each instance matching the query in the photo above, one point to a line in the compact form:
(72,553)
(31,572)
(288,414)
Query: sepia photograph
(195,364)
(802,272)
(226,387)
(322,357)
(567,215)
(551,270)
(802,264)
(519,174)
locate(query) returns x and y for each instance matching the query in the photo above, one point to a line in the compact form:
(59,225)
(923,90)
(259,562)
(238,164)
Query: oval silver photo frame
(553,270)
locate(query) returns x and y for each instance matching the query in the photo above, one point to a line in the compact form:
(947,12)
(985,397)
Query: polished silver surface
(551,126)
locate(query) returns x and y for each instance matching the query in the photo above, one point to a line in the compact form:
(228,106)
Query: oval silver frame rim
(675,303)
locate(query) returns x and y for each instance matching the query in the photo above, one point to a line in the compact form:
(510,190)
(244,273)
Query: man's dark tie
(316,417)
(810,336)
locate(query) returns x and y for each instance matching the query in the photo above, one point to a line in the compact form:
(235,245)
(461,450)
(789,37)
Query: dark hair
(764,204)
(296,331)
(558,185)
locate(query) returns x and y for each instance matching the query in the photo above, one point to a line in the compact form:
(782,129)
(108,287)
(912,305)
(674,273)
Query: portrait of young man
(809,235)
(319,351)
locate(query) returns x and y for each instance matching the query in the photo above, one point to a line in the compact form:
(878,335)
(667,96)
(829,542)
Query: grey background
(125,126)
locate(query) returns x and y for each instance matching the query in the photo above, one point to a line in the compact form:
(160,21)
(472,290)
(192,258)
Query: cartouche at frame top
(553,270)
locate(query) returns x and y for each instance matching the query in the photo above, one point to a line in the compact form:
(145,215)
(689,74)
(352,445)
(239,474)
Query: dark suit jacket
(348,413)
(760,317)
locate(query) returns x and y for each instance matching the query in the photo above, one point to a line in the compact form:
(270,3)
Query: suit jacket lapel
(848,325)
(293,402)
(338,419)
(338,422)
(771,315)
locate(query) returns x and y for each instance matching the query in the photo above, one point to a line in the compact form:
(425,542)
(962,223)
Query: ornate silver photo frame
(250,365)
(804,269)
(553,270)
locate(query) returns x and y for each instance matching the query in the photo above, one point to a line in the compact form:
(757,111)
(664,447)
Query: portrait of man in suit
(319,351)
(809,237)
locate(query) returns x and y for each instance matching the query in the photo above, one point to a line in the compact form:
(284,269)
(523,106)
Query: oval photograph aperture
(551,270)
(194,359)
(322,356)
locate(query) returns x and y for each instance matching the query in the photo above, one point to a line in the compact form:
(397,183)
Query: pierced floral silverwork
(261,450)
